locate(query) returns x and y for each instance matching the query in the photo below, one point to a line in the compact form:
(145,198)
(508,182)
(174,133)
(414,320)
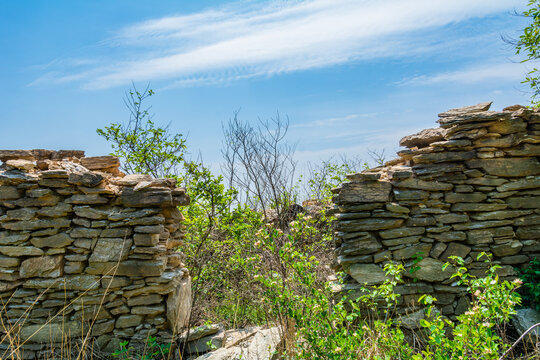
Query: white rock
(259,347)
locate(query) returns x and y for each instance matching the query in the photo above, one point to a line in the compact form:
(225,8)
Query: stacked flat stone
(470,186)
(86,249)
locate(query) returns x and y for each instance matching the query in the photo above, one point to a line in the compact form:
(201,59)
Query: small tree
(260,164)
(143,146)
(529,44)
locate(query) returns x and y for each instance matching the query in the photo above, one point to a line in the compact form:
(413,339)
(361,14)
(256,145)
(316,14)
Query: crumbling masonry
(85,250)
(470,186)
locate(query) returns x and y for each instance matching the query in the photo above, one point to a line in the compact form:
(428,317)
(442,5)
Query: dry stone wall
(87,250)
(471,185)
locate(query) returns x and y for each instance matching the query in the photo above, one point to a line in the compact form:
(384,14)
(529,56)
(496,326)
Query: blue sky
(351,75)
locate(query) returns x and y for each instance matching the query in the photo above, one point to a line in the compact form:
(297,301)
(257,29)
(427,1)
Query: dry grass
(14,345)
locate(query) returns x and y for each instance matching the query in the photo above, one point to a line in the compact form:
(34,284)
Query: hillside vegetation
(256,257)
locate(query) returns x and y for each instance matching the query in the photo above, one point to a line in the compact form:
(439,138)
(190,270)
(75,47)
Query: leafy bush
(476,334)
(152,350)
(528,44)
(315,325)
(144,147)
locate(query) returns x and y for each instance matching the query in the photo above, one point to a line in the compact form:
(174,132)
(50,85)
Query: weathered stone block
(87,199)
(455,249)
(148,310)
(180,197)
(509,126)
(451,218)
(13,238)
(412,251)
(9,193)
(146,198)
(145,300)
(54,241)
(431,270)
(59,210)
(150,229)
(364,192)
(367,274)
(443,156)
(44,266)
(9,262)
(73,282)
(418,195)
(481,224)
(16,251)
(465,113)
(506,249)
(85,178)
(111,249)
(401,232)
(6,155)
(526,202)
(51,332)
(508,167)
(402,241)
(367,244)
(368,224)
(522,221)
(90,212)
(497,142)
(525,150)
(421,221)
(528,232)
(437,250)
(150,220)
(449,236)
(423,138)
(414,183)
(126,321)
(487,180)
(128,268)
(478,207)
(46,200)
(146,239)
(527,183)
(100,162)
(83,232)
(464,197)
(37,224)
(116,233)
(485,236)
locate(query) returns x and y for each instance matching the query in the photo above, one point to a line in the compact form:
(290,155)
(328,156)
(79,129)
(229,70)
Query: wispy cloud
(249,39)
(334,121)
(377,141)
(512,72)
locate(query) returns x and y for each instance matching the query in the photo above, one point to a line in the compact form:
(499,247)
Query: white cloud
(360,142)
(332,121)
(248,39)
(511,72)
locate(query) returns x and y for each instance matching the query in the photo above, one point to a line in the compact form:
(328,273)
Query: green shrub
(153,350)
(476,334)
